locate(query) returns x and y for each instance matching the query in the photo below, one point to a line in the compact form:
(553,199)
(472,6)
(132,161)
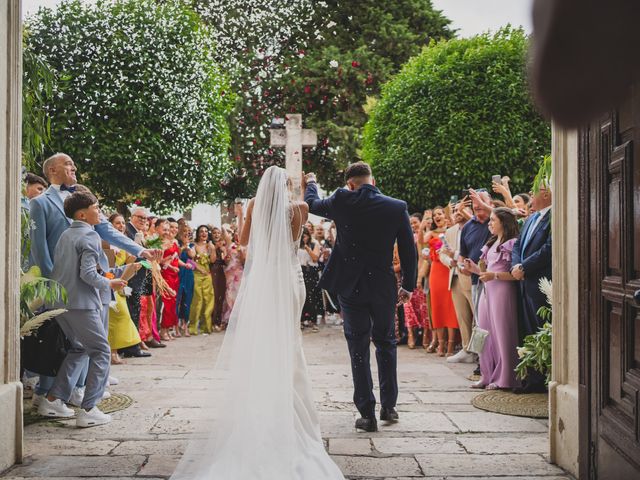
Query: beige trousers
(463,304)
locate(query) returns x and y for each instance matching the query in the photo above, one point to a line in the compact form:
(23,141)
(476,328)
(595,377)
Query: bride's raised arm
(246,227)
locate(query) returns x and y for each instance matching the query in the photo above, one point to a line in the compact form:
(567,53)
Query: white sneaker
(91,418)
(462,357)
(55,409)
(113,381)
(36,400)
(77,395)
(106,394)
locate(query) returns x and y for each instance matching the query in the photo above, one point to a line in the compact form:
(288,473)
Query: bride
(265,425)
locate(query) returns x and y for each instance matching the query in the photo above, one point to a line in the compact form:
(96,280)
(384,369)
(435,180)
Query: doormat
(115,403)
(534,405)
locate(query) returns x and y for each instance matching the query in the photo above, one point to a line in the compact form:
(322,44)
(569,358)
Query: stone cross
(293,137)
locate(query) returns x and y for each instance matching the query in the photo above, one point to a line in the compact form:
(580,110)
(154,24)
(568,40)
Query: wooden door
(609,157)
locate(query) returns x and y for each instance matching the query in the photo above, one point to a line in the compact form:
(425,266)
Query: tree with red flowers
(323,59)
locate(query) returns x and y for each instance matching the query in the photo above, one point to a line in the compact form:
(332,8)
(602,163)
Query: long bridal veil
(264,424)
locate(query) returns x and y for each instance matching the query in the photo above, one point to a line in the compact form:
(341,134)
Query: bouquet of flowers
(155,242)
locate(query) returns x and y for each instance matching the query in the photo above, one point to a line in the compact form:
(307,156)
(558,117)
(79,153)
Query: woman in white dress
(265,423)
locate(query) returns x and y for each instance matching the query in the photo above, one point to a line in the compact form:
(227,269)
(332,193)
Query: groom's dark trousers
(360,273)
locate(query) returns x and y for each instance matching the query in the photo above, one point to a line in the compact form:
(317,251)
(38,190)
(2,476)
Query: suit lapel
(54,198)
(542,226)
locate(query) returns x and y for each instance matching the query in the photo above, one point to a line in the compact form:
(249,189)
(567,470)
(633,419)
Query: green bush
(455,115)
(144,106)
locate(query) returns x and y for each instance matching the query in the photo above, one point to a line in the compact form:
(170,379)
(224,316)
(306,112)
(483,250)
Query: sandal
(478,385)
(493,386)
(411,341)
(432,347)
(451,348)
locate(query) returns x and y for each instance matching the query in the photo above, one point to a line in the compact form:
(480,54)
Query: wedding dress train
(265,425)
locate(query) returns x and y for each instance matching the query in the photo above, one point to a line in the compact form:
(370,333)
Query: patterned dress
(233,272)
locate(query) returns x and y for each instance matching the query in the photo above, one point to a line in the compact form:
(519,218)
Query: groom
(360,273)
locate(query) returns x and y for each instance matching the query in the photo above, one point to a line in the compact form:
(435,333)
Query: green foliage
(536,353)
(455,115)
(37,291)
(144,111)
(38,80)
(322,59)
(543,178)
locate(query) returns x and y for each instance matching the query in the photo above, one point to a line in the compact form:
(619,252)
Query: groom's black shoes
(388,415)
(367,424)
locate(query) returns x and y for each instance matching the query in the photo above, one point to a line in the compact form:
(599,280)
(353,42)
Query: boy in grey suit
(77,268)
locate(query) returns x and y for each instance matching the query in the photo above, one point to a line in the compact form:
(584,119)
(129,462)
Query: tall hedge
(141,104)
(455,115)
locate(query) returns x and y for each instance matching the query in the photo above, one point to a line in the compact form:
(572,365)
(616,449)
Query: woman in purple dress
(498,305)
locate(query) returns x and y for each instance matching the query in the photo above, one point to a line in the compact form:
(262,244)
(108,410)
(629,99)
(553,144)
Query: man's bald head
(59,168)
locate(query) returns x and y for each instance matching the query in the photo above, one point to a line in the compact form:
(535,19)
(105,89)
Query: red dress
(169,312)
(443,314)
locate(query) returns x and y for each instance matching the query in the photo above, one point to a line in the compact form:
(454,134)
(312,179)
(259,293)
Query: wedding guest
(48,222)
(77,267)
(233,270)
(498,305)
(185,291)
(308,254)
(203,296)
(142,285)
(443,314)
(34,186)
(122,333)
(532,262)
(219,278)
(170,268)
(459,285)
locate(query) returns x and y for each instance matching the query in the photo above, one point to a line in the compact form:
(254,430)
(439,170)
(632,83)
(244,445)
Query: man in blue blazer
(48,223)
(531,261)
(360,273)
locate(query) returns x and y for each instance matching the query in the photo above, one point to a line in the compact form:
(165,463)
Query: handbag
(477,340)
(43,351)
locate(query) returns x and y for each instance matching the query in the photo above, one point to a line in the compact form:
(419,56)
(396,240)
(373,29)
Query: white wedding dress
(265,425)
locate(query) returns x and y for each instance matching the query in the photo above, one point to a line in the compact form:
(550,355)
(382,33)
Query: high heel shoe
(451,347)
(432,346)
(441,349)
(411,340)
(185,331)
(425,338)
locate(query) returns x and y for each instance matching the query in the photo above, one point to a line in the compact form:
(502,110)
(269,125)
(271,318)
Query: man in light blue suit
(48,223)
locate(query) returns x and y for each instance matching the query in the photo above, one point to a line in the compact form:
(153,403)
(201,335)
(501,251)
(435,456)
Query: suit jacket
(452,236)
(368,225)
(76,262)
(48,223)
(536,262)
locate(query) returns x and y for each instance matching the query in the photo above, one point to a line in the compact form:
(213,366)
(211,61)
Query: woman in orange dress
(443,314)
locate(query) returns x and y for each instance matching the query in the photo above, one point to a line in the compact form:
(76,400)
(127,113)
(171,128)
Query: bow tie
(70,189)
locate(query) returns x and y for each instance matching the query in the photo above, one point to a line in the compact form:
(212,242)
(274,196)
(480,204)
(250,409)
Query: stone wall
(563,390)
(10,146)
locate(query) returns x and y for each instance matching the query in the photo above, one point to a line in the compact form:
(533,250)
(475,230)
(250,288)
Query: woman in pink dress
(233,271)
(498,305)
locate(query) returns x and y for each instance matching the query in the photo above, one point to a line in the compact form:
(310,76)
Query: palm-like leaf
(34,323)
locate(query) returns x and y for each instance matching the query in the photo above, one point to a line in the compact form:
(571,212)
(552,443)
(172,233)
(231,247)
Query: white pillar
(10,152)
(563,388)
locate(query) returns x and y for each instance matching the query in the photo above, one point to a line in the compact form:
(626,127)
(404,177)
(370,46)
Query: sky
(470,17)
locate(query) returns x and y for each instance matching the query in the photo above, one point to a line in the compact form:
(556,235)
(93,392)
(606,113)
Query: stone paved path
(440,435)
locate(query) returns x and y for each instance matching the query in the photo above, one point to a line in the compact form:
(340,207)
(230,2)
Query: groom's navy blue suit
(360,272)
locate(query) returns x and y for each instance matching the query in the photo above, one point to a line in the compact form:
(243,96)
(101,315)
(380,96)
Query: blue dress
(185,290)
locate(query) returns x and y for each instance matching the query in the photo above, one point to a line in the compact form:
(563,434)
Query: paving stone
(404,446)
(420,422)
(42,447)
(337,423)
(157,447)
(509,444)
(67,466)
(160,465)
(446,397)
(346,396)
(487,465)
(493,422)
(377,467)
(350,446)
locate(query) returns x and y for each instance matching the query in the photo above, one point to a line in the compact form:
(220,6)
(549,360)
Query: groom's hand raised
(307,179)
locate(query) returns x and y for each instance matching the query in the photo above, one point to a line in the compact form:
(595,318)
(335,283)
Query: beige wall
(563,390)
(10,145)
